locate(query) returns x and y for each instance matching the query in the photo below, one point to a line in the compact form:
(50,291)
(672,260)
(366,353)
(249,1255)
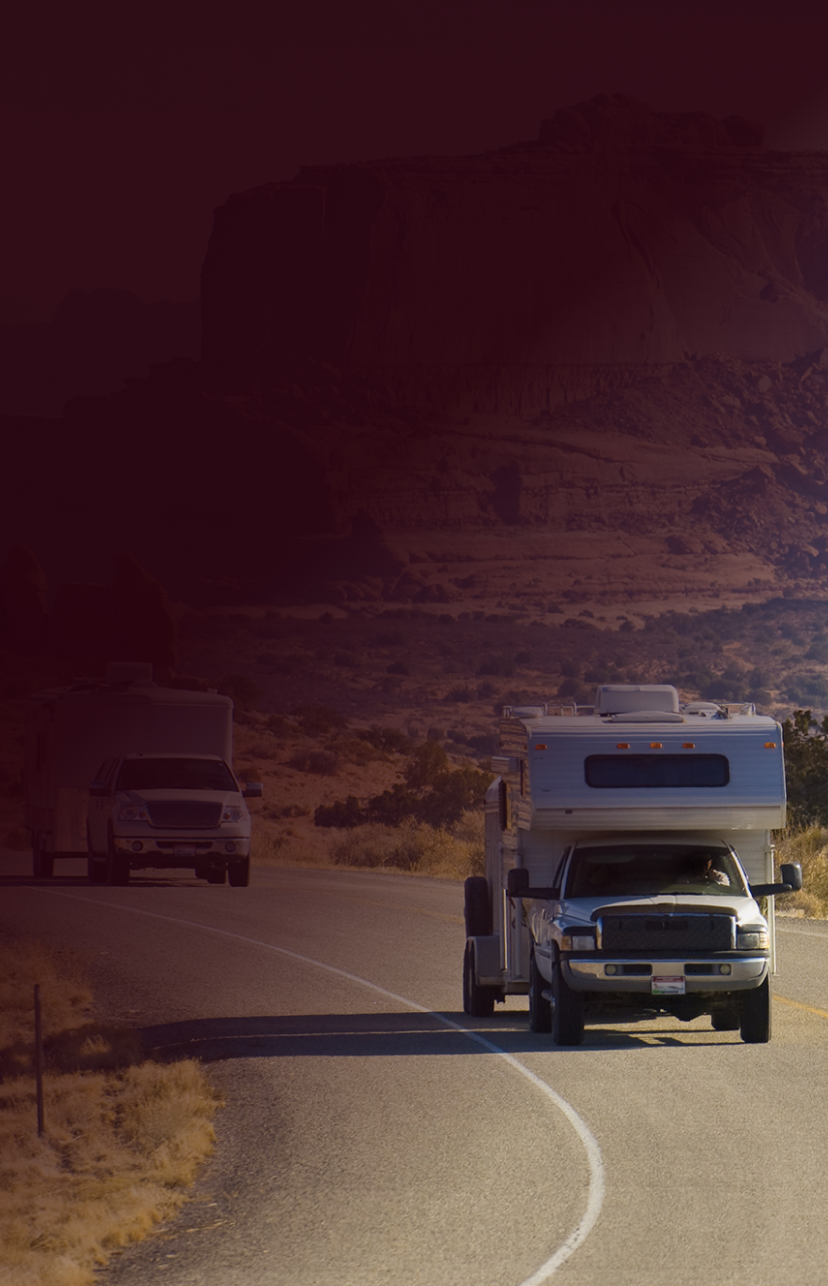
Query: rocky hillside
(591,368)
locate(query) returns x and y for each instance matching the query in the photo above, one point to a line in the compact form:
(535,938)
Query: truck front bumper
(181,850)
(741,973)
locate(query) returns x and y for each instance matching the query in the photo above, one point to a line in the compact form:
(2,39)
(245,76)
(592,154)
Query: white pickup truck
(629,865)
(166,811)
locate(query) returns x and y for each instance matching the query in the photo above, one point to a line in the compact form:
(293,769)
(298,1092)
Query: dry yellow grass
(810,848)
(123,1139)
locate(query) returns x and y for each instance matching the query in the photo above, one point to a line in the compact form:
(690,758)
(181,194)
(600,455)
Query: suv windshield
(648,869)
(175,774)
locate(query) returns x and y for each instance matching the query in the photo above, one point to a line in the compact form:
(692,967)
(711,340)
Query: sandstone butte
(593,366)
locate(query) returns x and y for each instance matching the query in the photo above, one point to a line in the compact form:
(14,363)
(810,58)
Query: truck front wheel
(567,1011)
(755,1022)
(478,1002)
(117,866)
(238,873)
(540,1010)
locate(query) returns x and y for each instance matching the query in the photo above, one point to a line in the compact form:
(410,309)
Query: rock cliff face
(621,242)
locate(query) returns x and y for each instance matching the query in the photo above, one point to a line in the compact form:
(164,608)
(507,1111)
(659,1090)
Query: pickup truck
(165,811)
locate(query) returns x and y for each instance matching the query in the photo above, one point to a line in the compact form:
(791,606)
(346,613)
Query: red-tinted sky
(126,124)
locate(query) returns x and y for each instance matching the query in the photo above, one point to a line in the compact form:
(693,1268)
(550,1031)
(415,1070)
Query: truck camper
(629,864)
(83,741)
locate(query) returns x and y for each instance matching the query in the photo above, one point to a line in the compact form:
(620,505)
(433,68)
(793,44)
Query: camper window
(632,772)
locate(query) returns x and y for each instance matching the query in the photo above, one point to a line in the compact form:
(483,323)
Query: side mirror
(792,874)
(252,790)
(98,788)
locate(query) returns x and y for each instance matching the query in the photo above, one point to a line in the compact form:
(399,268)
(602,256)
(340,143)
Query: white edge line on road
(597,1185)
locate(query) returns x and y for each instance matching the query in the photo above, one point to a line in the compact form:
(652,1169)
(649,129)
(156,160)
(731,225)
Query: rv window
(614,772)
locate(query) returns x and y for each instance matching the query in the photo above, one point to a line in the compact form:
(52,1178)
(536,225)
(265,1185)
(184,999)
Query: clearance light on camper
(656,745)
(688,745)
(623,745)
(770,745)
(541,745)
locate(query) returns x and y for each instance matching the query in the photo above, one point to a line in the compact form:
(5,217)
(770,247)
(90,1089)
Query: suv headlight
(752,937)
(232,814)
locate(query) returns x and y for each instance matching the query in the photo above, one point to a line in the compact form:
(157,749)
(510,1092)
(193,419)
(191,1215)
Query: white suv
(166,811)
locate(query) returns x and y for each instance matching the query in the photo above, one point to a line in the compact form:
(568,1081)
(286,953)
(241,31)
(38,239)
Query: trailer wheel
(477,908)
(755,1024)
(43,863)
(567,1011)
(478,1002)
(239,874)
(540,1009)
(216,875)
(725,1020)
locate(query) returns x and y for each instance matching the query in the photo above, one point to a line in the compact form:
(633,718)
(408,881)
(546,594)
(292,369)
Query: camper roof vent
(129,671)
(628,698)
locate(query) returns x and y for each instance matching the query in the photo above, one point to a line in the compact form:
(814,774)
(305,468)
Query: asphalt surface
(372,1133)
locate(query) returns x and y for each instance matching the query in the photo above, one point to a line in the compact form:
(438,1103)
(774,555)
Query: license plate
(668,984)
(184,850)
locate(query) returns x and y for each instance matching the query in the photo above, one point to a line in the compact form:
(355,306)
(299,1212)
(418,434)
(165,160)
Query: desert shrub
(264,749)
(354,750)
(461,695)
(390,638)
(809,847)
(322,762)
(248,772)
(398,667)
(806,770)
(346,660)
(318,719)
(500,665)
(391,740)
(416,847)
(243,690)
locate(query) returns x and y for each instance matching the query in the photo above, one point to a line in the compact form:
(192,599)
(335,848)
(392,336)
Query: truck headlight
(753,937)
(132,813)
(232,814)
(575,940)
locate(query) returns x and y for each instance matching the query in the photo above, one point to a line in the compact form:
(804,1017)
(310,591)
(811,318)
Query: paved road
(366,1139)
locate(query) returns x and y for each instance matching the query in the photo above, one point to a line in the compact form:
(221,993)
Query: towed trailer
(629,864)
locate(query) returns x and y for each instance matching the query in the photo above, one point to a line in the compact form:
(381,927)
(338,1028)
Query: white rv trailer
(70,732)
(639,789)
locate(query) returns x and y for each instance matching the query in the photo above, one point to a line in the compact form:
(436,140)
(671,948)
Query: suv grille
(667,933)
(184,812)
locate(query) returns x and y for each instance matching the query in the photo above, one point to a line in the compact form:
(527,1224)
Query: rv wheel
(477,907)
(755,1025)
(43,863)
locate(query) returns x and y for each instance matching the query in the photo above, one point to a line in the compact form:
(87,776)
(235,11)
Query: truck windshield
(175,774)
(645,870)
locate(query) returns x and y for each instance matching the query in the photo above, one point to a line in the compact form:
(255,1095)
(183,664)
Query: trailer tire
(478,1002)
(725,1020)
(755,1019)
(477,907)
(238,874)
(43,863)
(540,1009)
(567,1011)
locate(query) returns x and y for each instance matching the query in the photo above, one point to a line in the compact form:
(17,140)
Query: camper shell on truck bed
(679,801)
(70,732)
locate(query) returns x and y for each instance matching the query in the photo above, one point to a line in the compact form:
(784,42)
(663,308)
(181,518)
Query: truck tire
(477,907)
(567,1011)
(755,1020)
(478,1002)
(238,874)
(117,866)
(540,1009)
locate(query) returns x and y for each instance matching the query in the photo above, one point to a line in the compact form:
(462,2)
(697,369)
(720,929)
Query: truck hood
(587,910)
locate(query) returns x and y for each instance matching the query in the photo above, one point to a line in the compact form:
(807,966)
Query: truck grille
(667,933)
(184,812)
